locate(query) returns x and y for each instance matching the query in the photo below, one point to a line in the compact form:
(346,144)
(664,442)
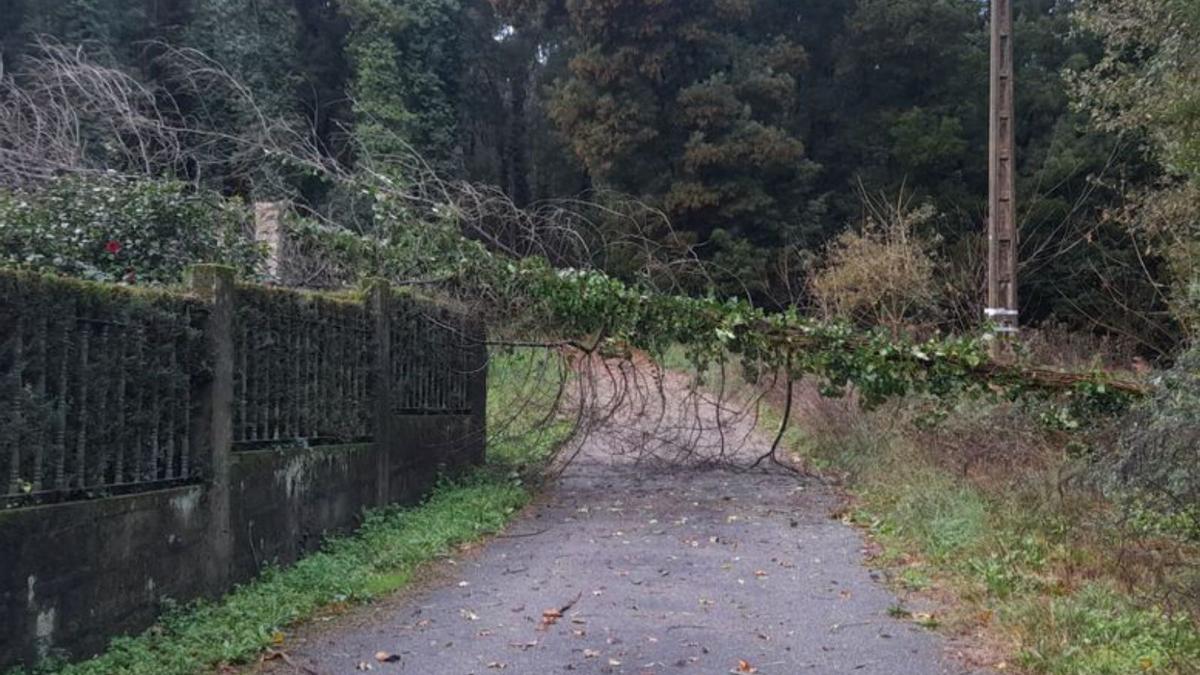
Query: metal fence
(95,388)
(302,368)
(431,361)
(103,388)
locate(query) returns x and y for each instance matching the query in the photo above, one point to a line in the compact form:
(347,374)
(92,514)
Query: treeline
(755,125)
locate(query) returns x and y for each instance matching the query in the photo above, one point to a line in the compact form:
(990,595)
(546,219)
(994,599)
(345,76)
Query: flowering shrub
(116,229)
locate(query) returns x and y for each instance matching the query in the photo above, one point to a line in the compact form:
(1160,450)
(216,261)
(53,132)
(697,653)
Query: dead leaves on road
(552,615)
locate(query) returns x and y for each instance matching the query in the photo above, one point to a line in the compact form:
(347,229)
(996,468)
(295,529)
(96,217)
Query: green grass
(1100,632)
(381,557)
(523,391)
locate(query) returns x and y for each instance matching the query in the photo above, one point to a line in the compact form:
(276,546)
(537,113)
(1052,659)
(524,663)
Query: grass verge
(1005,549)
(381,557)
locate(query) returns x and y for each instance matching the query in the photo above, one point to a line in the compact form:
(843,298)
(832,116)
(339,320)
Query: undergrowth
(1043,570)
(381,557)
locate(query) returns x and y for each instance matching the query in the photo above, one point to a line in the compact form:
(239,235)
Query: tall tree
(693,108)
(1146,89)
(407,72)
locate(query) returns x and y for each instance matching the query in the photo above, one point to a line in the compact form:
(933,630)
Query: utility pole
(1002,225)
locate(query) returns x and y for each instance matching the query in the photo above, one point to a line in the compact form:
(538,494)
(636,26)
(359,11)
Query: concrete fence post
(477,363)
(214,284)
(383,431)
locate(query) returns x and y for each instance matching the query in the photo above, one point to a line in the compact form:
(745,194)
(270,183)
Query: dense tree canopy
(755,125)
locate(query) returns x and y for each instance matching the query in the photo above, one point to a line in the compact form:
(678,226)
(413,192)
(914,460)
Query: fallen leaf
(614,663)
(386,657)
(590,653)
(552,615)
(497,665)
(276,654)
(362,665)
(549,618)
(744,666)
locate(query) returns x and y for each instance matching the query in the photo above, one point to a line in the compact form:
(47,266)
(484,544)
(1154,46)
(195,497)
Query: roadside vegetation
(1000,523)
(993,528)
(383,556)
(1054,538)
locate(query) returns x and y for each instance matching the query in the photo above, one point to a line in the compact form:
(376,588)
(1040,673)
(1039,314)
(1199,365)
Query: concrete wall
(284,504)
(75,575)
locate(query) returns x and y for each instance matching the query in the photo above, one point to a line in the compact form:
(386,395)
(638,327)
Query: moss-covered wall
(168,444)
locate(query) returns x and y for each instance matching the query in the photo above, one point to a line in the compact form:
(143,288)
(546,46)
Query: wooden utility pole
(1002,225)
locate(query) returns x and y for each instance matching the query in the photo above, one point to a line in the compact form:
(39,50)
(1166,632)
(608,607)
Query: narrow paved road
(680,570)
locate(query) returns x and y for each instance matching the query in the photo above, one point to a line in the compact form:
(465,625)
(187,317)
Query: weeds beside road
(983,522)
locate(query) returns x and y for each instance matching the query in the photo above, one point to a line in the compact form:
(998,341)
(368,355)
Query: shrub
(110,228)
(1157,459)
(882,274)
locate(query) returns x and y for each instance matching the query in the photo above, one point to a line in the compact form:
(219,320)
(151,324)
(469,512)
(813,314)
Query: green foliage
(1145,88)
(112,229)
(592,307)
(751,123)
(407,66)
(1147,78)
(1022,555)
(694,109)
(255,44)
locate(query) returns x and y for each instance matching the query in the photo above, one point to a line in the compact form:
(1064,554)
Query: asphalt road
(641,561)
(653,572)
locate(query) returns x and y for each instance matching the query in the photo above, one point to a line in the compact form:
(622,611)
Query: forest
(756,128)
(795,191)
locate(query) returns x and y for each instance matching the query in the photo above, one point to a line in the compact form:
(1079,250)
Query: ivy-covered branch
(574,306)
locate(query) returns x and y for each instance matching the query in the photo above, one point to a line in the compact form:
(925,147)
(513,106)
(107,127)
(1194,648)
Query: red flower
(113,247)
